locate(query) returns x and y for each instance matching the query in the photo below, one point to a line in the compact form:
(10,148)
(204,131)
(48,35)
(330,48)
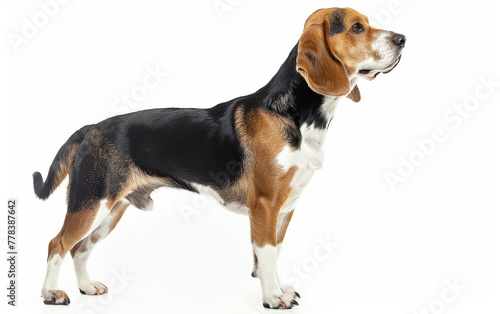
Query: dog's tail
(60,166)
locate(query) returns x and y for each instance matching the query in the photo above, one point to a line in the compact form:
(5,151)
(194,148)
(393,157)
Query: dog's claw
(283,305)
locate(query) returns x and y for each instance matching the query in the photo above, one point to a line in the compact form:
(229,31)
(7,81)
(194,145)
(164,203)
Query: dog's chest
(307,159)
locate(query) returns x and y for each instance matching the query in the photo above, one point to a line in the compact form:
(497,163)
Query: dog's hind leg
(81,251)
(76,226)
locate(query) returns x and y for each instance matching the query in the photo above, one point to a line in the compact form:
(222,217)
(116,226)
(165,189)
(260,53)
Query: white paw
(290,291)
(281,300)
(93,288)
(55,297)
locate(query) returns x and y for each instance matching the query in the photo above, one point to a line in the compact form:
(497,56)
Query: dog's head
(338,45)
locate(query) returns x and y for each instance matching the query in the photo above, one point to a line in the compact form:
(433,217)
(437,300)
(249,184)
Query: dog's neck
(289,95)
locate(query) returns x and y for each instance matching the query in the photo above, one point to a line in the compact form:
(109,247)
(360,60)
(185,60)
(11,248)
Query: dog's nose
(399,40)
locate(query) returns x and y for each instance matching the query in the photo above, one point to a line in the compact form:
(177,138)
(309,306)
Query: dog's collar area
(289,95)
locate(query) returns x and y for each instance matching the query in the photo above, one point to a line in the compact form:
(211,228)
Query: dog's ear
(324,73)
(354,95)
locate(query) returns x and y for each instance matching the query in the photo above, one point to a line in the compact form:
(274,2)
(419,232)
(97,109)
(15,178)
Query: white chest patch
(308,158)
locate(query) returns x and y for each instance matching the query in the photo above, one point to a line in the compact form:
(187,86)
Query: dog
(254,154)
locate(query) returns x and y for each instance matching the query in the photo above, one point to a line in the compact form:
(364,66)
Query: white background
(396,249)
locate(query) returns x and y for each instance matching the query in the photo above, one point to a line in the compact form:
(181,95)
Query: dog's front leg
(264,222)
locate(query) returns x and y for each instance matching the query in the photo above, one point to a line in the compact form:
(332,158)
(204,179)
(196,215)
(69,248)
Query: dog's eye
(357,28)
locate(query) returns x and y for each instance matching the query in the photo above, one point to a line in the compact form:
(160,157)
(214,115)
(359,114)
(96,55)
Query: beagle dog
(255,154)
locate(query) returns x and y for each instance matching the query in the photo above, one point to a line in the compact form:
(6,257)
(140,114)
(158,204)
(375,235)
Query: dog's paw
(93,288)
(55,297)
(280,301)
(290,291)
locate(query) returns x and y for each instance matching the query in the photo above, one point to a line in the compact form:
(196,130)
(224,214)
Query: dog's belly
(233,206)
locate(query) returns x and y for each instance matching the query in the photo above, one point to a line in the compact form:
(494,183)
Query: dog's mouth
(371,74)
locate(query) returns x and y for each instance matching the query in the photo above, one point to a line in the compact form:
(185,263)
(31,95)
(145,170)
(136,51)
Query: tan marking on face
(351,49)
(323,73)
